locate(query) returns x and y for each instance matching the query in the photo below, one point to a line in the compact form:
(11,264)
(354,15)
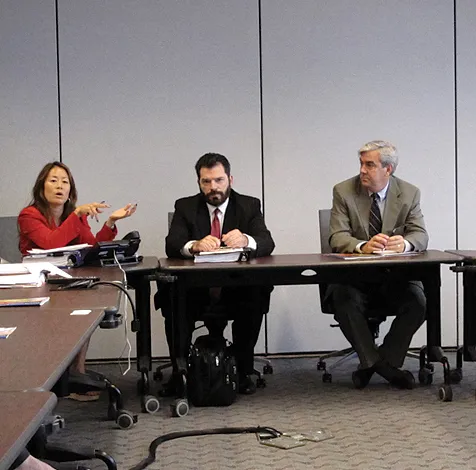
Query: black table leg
(469,315)
(432,285)
(141,285)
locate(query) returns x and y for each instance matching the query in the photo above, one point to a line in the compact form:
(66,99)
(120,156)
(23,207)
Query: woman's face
(57,187)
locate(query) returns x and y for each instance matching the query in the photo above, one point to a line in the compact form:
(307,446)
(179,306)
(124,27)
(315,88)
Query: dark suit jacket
(191,221)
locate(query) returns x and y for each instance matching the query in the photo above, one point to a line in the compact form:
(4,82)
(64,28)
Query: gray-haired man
(373,211)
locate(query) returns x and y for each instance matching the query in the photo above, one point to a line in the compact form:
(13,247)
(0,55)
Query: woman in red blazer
(53,220)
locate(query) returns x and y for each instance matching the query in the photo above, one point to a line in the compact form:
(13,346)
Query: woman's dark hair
(38,192)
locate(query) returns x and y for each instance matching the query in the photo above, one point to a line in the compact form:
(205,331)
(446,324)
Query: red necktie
(216,232)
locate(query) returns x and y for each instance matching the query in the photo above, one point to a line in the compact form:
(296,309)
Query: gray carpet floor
(376,428)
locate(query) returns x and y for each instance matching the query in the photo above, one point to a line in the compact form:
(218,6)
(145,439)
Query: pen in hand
(400,228)
(96,216)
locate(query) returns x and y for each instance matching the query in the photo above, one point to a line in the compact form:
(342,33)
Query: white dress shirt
(221,216)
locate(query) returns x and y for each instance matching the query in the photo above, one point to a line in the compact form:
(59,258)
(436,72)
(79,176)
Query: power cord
(271,432)
(128,344)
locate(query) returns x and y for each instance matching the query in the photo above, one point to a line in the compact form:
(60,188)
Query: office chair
(375,318)
(69,383)
(62,457)
(9,250)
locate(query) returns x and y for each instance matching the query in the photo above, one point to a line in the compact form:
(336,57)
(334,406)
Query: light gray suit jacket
(349,224)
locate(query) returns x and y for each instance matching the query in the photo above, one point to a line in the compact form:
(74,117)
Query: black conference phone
(111,252)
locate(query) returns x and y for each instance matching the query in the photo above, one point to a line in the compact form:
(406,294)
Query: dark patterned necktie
(375,219)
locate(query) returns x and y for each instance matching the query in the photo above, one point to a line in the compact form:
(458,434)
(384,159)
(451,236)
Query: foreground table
(22,414)
(43,345)
(47,338)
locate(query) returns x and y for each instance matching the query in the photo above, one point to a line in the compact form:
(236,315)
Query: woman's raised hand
(92,209)
(122,213)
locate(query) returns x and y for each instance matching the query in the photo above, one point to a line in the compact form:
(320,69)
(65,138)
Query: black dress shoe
(404,380)
(361,377)
(399,378)
(246,386)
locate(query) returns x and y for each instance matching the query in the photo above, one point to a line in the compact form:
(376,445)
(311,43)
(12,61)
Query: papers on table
(65,256)
(374,255)
(13,268)
(6,332)
(222,255)
(62,249)
(27,275)
(62,260)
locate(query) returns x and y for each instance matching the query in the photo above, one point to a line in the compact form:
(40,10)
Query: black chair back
(324,221)
(9,250)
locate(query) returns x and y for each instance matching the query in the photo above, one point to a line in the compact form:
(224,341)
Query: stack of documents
(18,275)
(27,275)
(64,256)
(222,255)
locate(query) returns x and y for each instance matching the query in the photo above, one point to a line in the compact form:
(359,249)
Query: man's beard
(217,198)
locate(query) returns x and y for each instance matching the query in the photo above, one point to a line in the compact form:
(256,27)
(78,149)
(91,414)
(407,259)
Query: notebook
(31,302)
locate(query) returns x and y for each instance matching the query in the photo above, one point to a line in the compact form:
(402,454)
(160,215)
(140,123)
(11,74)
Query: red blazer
(37,232)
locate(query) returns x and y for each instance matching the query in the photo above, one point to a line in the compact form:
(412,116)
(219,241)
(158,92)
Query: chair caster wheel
(268,369)
(125,419)
(321,365)
(456,375)
(327,378)
(150,404)
(445,393)
(180,408)
(260,382)
(425,376)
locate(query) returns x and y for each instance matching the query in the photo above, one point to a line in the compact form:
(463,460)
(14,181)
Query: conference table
(57,335)
(35,356)
(299,269)
(22,414)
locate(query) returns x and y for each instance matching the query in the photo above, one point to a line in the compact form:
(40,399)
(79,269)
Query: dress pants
(352,303)
(244,305)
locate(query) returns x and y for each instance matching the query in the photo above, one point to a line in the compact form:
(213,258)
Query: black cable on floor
(200,432)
